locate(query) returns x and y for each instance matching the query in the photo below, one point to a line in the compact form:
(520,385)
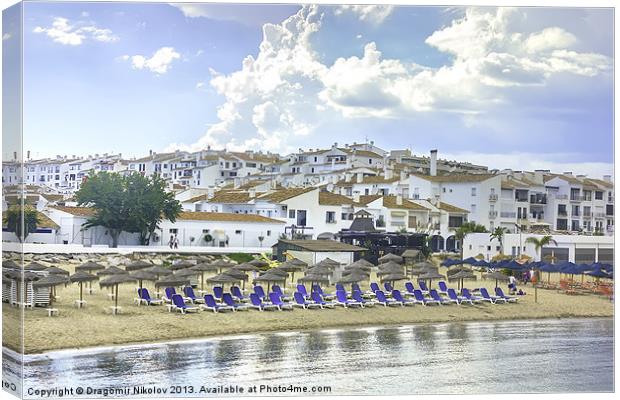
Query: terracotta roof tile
(225,217)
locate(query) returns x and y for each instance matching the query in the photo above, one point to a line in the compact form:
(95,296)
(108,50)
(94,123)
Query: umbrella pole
(116,299)
(81,299)
(202,281)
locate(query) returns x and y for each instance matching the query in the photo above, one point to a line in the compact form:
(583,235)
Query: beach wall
(79,249)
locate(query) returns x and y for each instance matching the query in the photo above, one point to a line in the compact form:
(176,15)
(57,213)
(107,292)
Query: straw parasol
(51,281)
(275,271)
(202,268)
(238,274)
(356,272)
(390,257)
(246,267)
(498,276)
(313,278)
(137,265)
(56,271)
(221,264)
(114,281)
(172,281)
(461,276)
(82,277)
(430,275)
(258,263)
(393,277)
(270,278)
(35,266)
(158,270)
(353,277)
(297,261)
(89,266)
(425,265)
(143,275)
(111,271)
(183,264)
(329,262)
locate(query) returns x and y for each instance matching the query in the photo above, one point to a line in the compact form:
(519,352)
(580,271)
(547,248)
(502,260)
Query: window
(488,248)
(268,233)
(173,231)
(205,231)
(291,213)
(443,190)
(473,208)
(237,232)
(473,191)
(330,217)
(598,195)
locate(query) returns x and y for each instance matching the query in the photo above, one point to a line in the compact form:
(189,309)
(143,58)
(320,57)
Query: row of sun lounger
(277,300)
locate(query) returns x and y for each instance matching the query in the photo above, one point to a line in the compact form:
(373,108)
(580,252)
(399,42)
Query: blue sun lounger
(189,293)
(300,301)
(398,296)
(443,288)
(212,305)
(388,287)
(218,291)
(145,297)
(228,300)
(409,288)
(494,299)
(277,289)
(441,300)
(383,300)
(342,300)
(318,299)
(236,292)
(500,293)
(423,300)
(374,287)
(302,289)
(260,292)
(168,293)
(179,304)
(423,287)
(357,296)
(258,303)
(276,300)
(458,299)
(475,299)
(318,289)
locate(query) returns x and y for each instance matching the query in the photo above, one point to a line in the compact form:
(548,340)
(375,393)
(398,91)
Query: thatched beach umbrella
(298,262)
(111,271)
(222,264)
(258,263)
(425,265)
(51,281)
(393,277)
(114,281)
(201,269)
(328,262)
(270,278)
(56,271)
(291,268)
(158,270)
(430,275)
(390,257)
(313,278)
(235,273)
(222,279)
(143,275)
(319,270)
(89,266)
(35,266)
(137,265)
(498,276)
(184,264)
(353,277)
(172,281)
(461,276)
(356,271)
(246,267)
(82,277)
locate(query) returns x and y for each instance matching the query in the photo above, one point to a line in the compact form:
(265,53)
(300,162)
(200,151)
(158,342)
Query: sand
(94,326)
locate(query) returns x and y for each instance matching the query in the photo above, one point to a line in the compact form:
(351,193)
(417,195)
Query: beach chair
(302,289)
(475,299)
(383,300)
(300,301)
(494,299)
(211,305)
(423,287)
(228,300)
(145,297)
(419,297)
(356,287)
(189,293)
(443,288)
(374,287)
(357,296)
(257,303)
(409,288)
(236,292)
(341,299)
(179,304)
(441,300)
(500,293)
(458,299)
(398,296)
(168,293)
(259,291)
(318,289)
(277,289)
(218,291)
(276,300)
(318,299)
(388,287)
(340,287)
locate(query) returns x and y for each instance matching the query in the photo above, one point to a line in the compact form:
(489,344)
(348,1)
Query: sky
(521,88)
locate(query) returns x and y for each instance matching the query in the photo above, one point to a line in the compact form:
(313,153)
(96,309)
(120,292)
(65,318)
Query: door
(301,217)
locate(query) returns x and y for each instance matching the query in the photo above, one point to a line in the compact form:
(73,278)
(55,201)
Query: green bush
(240,257)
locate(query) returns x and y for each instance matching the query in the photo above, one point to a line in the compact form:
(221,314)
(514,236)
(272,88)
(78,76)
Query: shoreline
(336,326)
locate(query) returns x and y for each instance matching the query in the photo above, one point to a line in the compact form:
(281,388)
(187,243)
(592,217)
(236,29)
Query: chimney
(236,182)
(360,177)
(387,173)
(569,173)
(335,145)
(252,193)
(356,197)
(399,200)
(347,177)
(28,155)
(403,175)
(433,167)
(15,155)
(150,153)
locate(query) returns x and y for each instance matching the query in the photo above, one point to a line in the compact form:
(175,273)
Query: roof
(280,195)
(455,177)
(598,183)
(44,221)
(257,157)
(369,180)
(567,178)
(252,184)
(77,211)
(227,197)
(157,157)
(450,208)
(333,199)
(53,197)
(225,217)
(322,245)
(390,201)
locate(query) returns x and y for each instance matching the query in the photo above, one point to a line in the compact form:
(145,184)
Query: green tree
(540,243)
(132,203)
(498,234)
(13,221)
(468,227)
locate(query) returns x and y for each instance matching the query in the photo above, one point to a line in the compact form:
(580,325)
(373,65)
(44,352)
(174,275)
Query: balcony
(561,197)
(577,198)
(599,215)
(492,214)
(508,214)
(521,199)
(493,197)
(562,214)
(538,200)
(587,214)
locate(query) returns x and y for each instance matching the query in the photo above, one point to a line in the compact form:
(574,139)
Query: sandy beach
(94,326)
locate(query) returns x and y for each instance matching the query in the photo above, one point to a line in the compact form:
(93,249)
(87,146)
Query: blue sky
(520,88)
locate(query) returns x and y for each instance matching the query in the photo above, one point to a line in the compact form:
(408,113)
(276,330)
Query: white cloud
(159,62)
(73,34)
(200,85)
(375,14)
(6,36)
(287,91)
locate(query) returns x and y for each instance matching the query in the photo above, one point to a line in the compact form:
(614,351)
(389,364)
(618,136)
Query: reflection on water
(484,357)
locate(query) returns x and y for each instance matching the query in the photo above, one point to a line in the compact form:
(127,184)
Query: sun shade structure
(393,277)
(184,264)
(235,273)
(329,262)
(51,281)
(425,265)
(390,257)
(430,275)
(297,261)
(201,269)
(158,270)
(114,281)
(313,278)
(318,270)
(363,263)
(137,265)
(81,277)
(111,271)
(246,267)
(353,277)
(172,281)
(258,263)
(461,276)
(222,264)
(498,276)
(56,271)
(89,266)
(143,275)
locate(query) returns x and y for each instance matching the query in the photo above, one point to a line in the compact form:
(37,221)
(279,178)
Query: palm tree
(466,229)
(540,243)
(498,234)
